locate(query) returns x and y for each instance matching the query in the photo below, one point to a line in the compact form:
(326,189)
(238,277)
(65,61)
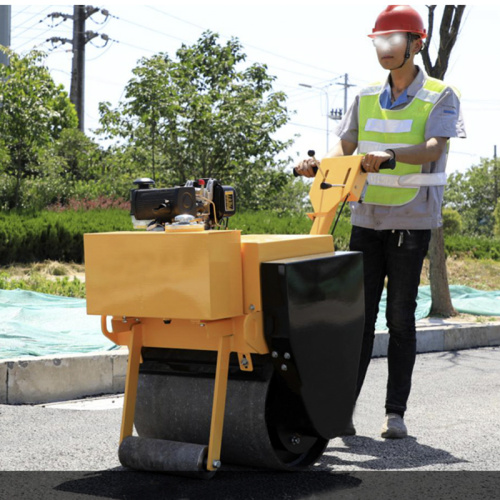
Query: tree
(33,113)
(448,34)
(203,115)
(474,196)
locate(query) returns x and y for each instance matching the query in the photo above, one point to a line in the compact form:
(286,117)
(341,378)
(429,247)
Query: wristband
(393,153)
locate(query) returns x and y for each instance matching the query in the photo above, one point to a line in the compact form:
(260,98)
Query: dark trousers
(397,255)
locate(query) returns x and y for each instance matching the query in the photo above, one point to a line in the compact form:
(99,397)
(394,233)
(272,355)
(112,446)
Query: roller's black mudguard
(313,321)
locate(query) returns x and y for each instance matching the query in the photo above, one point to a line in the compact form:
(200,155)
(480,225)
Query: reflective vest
(381,129)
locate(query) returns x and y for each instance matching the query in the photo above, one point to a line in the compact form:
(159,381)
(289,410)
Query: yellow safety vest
(381,129)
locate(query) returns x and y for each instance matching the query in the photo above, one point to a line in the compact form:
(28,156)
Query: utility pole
(332,114)
(5,13)
(80,38)
(77,89)
(346,86)
(322,89)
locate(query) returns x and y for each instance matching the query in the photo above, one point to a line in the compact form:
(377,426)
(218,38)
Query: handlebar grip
(295,174)
(388,164)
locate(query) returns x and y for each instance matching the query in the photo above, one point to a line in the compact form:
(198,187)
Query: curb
(434,335)
(71,376)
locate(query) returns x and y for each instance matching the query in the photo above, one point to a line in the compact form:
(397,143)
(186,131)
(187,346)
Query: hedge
(55,236)
(59,235)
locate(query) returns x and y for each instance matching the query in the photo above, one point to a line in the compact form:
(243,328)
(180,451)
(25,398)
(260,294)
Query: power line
(135,46)
(151,29)
(21,11)
(289,59)
(31,18)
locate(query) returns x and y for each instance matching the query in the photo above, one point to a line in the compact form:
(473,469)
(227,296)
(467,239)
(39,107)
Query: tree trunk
(440,292)
(438,275)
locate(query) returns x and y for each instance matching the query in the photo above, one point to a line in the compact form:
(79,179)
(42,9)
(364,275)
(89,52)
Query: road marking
(91,404)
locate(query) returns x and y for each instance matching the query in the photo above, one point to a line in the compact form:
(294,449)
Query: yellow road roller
(243,349)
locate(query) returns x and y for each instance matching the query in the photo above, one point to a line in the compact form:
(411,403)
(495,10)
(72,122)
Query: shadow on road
(120,484)
(397,454)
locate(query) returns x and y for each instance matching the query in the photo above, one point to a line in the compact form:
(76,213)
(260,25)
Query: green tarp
(465,300)
(37,324)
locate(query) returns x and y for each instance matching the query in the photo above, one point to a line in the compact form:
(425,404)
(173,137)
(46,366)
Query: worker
(410,118)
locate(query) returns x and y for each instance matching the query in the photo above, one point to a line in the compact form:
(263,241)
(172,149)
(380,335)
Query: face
(391,49)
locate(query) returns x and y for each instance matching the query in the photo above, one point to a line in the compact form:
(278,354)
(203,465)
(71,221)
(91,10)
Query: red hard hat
(398,18)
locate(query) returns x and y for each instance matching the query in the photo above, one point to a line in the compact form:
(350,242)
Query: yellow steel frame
(223,336)
(347,180)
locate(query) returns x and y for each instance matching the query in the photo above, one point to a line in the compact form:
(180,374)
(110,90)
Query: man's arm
(342,148)
(425,152)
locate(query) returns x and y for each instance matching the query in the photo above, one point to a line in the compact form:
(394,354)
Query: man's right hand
(305,167)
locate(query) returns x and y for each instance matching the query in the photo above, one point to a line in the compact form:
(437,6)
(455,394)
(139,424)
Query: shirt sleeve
(445,119)
(348,127)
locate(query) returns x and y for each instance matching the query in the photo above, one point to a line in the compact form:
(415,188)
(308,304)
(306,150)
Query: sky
(315,43)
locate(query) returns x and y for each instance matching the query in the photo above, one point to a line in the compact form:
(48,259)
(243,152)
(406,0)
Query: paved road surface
(453,420)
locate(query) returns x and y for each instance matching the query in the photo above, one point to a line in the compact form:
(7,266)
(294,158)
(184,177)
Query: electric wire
(273,67)
(289,59)
(31,18)
(20,12)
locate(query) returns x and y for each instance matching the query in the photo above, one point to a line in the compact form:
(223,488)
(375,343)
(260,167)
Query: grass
(481,274)
(50,277)
(68,279)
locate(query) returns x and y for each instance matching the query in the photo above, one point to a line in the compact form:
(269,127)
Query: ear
(418,45)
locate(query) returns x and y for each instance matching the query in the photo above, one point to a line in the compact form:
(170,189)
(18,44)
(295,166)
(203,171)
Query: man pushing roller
(409,117)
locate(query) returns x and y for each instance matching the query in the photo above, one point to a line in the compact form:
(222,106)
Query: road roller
(243,349)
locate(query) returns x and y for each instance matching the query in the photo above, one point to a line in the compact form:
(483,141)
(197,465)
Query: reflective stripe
(388,126)
(427,95)
(369,146)
(372,90)
(408,180)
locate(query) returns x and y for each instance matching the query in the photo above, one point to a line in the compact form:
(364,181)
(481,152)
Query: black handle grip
(310,153)
(295,174)
(390,164)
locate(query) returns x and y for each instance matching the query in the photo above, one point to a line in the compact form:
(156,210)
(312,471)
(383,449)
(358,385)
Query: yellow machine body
(200,289)
(194,275)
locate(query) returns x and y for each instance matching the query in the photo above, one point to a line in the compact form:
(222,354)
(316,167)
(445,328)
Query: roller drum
(262,422)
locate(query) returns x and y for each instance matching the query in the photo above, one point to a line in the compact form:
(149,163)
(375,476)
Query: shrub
(56,236)
(452,222)
(38,283)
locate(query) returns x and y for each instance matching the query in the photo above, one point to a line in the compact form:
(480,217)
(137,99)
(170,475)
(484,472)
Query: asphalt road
(453,421)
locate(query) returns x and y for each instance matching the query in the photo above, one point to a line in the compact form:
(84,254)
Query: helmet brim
(389,32)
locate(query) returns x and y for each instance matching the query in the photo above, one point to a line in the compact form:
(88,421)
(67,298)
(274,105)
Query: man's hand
(371,161)
(305,167)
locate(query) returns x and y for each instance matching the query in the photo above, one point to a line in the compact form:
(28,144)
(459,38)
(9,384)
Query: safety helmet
(398,18)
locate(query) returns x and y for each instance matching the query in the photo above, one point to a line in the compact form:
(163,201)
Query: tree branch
(425,50)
